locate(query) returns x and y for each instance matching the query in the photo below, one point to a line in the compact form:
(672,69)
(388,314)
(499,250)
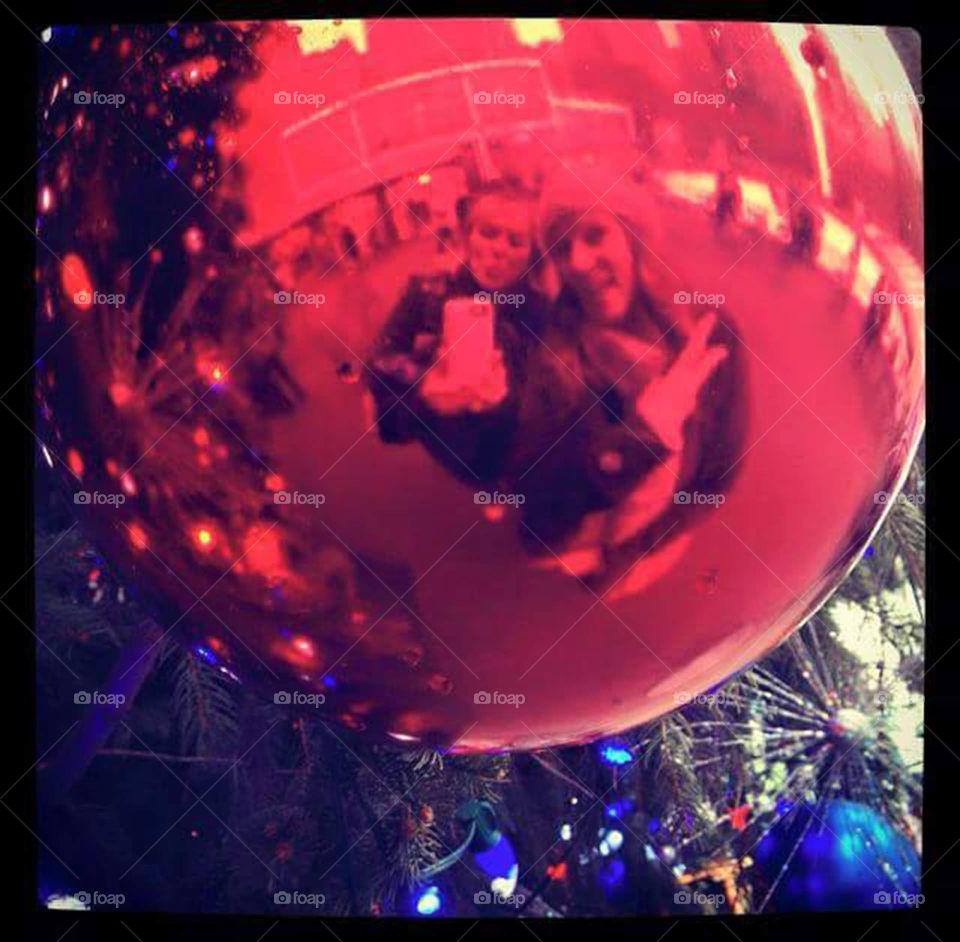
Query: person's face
(499,241)
(594,258)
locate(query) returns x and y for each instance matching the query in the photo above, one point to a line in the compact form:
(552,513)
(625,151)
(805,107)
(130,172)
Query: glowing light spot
(205,537)
(46,199)
(75,462)
(423,179)
(201,436)
(47,34)
(403,737)
(120,394)
(304,645)
(429,902)
(75,281)
(128,484)
(216,644)
(138,536)
(614,840)
(46,455)
(205,653)
(273,482)
(217,373)
(614,753)
(193,240)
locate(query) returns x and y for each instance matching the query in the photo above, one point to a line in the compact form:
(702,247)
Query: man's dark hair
(507,188)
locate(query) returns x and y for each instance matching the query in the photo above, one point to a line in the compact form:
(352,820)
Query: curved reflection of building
(397,158)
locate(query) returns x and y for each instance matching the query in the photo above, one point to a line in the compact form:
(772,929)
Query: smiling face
(596,260)
(499,240)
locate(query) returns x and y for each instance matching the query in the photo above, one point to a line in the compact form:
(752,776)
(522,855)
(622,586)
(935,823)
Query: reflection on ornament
(821,282)
(841,856)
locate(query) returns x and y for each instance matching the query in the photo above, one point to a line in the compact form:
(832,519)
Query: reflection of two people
(594,406)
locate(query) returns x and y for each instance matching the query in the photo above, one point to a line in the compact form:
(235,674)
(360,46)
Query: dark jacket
(575,455)
(473,446)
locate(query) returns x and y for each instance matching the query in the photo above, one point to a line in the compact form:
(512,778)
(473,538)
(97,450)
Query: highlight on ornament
(481,387)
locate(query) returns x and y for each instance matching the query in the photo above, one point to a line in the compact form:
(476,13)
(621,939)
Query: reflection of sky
(870,63)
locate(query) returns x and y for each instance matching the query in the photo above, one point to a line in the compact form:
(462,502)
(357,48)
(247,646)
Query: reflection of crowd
(542,367)
(354,231)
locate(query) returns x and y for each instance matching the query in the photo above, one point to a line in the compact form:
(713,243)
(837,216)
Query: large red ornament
(488,554)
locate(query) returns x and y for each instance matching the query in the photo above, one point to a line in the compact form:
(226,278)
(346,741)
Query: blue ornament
(849,857)
(611,877)
(499,862)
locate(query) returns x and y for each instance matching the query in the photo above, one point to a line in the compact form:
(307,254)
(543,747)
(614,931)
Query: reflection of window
(837,242)
(759,209)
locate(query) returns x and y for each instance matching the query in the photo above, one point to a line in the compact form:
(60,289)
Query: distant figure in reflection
(621,411)
(451,358)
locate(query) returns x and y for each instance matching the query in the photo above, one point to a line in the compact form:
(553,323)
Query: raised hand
(669,400)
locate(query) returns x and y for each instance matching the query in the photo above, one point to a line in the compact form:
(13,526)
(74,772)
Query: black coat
(473,446)
(574,455)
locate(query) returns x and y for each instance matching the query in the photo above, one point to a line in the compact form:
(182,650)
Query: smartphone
(468,335)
